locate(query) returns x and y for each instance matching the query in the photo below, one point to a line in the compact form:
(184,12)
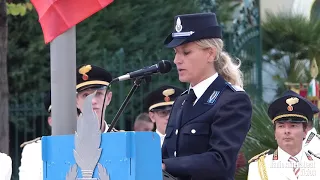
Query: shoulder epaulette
(310,153)
(256,157)
(234,87)
(29,142)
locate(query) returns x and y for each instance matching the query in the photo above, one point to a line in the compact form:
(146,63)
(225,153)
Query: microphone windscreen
(164,66)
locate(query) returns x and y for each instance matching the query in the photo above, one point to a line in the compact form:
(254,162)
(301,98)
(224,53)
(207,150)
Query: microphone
(310,152)
(163,67)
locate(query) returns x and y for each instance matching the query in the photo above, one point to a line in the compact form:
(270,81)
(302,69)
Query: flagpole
(63,83)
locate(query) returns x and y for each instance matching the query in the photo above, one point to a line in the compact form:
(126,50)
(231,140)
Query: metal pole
(63,83)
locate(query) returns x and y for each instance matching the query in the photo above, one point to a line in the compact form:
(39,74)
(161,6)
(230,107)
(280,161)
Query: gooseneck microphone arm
(162,67)
(136,84)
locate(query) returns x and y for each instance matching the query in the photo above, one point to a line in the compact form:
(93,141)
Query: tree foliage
(18,9)
(289,41)
(137,29)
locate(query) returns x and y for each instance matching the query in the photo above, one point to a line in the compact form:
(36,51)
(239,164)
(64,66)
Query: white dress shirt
(161,137)
(201,87)
(31,162)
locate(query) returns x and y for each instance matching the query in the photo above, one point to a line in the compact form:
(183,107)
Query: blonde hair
(223,62)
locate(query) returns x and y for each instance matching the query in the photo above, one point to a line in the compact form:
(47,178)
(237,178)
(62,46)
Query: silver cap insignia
(178,25)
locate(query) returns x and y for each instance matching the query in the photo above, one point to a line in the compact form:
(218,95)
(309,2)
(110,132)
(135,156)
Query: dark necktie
(188,104)
(191,97)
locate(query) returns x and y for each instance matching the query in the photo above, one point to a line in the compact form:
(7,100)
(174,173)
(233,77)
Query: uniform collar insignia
(275,155)
(309,157)
(213,97)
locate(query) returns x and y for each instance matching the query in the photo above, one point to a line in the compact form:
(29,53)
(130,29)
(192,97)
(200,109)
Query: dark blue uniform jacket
(205,143)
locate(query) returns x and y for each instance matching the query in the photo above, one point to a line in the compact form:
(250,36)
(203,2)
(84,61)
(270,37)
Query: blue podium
(124,155)
(90,154)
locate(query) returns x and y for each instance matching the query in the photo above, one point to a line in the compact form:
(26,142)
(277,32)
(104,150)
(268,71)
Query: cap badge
(178,25)
(83,70)
(167,93)
(291,101)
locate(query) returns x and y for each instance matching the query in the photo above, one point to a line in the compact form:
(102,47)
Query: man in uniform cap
(92,78)
(289,114)
(89,79)
(159,103)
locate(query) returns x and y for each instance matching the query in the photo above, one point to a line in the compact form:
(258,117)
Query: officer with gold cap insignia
(92,78)
(289,114)
(159,103)
(89,79)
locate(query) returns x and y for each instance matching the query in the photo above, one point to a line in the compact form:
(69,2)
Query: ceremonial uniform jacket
(31,166)
(312,142)
(205,144)
(5,167)
(275,166)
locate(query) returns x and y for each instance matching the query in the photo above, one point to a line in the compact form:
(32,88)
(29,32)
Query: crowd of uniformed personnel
(202,128)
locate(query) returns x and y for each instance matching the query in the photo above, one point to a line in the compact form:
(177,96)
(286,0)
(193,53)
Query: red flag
(57,16)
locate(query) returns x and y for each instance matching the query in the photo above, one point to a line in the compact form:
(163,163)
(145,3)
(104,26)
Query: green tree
(289,41)
(223,8)
(5,10)
(18,9)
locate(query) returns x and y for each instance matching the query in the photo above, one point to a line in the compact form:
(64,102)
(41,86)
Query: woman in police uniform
(209,121)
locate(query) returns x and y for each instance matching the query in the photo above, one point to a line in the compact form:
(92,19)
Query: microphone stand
(104,101)
(136,84)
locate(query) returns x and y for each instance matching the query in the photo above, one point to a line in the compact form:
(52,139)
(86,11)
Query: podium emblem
(87,149)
